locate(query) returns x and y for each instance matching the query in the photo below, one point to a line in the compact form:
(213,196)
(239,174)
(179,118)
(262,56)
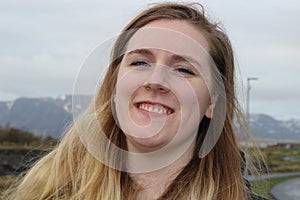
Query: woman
(171,75)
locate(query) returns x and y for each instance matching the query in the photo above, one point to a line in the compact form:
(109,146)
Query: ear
(210,111)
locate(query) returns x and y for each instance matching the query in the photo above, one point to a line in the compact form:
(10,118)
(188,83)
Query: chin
(147,144)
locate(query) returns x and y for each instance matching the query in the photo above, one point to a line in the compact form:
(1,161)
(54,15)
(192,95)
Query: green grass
(276,161)
(262,187)
(274,158)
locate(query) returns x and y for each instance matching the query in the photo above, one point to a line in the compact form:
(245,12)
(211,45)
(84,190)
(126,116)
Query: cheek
(124,85)
(193,96)
(124,92)
(194,101)
(127,83)
(187,96)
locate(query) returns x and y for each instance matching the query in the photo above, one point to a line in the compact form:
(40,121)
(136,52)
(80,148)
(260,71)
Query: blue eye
(185,71)
(139,63)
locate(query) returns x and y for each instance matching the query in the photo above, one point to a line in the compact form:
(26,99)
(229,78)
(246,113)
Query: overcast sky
(43,43)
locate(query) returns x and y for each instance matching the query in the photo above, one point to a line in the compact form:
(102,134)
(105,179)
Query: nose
(157,80)
(156,87)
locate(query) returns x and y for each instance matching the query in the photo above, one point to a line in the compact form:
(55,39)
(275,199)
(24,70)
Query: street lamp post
(248,95)
(248,116)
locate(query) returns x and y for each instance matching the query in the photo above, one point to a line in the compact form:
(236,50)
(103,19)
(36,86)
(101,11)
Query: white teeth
(150,109)
(162,111)
(154,109)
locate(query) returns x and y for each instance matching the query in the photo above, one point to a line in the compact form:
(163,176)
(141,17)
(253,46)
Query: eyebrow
(185,58)
(175,57)
(141,51)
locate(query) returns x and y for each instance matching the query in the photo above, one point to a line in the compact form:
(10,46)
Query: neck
(154,183)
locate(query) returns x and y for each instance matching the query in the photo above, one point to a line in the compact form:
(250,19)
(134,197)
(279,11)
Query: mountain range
(50,116)
(42,116)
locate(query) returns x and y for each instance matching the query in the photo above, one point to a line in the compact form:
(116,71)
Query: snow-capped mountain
(49,116)
(42,116)
(264,126)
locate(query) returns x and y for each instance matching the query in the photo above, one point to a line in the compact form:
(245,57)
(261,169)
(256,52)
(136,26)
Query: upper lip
(153,103)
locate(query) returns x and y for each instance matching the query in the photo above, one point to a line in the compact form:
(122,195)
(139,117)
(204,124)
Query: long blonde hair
(71,172)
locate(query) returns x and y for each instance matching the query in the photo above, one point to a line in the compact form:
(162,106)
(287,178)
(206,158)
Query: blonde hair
(71,172)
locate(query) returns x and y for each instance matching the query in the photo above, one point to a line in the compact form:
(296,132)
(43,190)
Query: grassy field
(278,160)
(263,187)
(281,159)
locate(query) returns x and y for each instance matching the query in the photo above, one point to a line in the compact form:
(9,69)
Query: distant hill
(264,126)
(42,116)
(49,116)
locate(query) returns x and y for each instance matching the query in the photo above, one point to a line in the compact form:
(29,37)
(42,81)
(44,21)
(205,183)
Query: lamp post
(248,95)
(249,79)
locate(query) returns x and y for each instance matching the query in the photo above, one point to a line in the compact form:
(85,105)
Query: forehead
(175,36)
(183,28)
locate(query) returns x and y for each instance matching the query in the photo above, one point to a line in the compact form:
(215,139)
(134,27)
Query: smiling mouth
(154,108)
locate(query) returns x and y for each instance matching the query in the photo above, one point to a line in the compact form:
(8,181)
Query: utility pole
(249,79)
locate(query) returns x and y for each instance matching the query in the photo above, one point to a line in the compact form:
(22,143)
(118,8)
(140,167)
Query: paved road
(273,175)
(287,190)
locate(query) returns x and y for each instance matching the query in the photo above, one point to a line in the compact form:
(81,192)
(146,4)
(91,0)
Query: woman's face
(161,91)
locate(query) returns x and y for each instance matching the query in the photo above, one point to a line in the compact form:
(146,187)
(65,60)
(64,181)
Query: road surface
(287,190)
(273,175)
